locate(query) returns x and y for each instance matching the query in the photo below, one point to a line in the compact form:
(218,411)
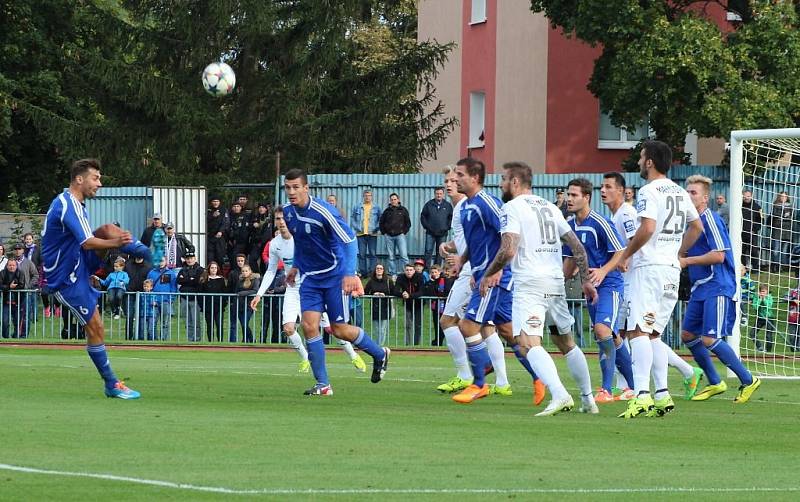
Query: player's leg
(312,305)
(603,316)
(561,334)
(290,313)
(694,325)
(338,309)
(497,354)
(454,309)
(480,310)
(358,363)
(663,402)
(692,375)
(645,293)
(507,334)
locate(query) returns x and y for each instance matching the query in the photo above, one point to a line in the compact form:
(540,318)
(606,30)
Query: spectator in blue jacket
(165,285)
(365,221)
(116,284)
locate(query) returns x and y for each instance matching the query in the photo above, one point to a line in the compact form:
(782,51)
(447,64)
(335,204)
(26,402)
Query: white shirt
(540,225)
(279,249)
(625,221)
(670,206)
(458,236)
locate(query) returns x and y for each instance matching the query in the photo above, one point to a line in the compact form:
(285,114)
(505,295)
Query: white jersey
(625,222)
(280,249)
(458,236)
(540,225)
(670,206)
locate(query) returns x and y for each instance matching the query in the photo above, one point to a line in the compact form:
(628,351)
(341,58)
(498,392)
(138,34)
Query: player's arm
(690,236)
(646,230)
(447,248)
(710,258)
(582,262)
(269,276)
(509,242)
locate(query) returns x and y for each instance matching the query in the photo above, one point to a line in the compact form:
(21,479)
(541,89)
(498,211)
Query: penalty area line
(410,491)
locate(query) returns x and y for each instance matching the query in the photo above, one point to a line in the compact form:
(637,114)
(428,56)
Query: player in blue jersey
(71,252)
(604,248)
(711,311)
(480,219)
(325,256)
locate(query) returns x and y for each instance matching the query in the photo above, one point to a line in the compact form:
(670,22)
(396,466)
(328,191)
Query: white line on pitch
(410,491)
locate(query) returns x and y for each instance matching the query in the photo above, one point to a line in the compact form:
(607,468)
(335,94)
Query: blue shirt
(480,217)
(66,228)
(712,280)
(601,240)
(320,235)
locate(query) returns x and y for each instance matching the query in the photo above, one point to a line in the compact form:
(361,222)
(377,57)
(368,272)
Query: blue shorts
(713,317)
(325,297)
(80,298)
(494,307)
(606,310)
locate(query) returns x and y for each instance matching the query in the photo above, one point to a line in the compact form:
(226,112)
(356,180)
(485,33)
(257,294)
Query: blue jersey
(712,280)
(480,217)
(601,240)
(320,235)
(66,228)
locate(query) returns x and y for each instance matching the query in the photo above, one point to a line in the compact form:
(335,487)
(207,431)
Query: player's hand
(443,252)
(351,285)
(471,282)
(454,261)
(589,292)
(623,265)
(254,302)
(125,238)
(489,281)
(291,276)
(682,261)
(596,275)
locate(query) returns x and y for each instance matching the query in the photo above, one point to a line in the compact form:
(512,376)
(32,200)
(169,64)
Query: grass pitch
(233,424)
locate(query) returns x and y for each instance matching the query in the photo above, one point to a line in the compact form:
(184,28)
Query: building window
(613,137)
(477,103)
(478,12)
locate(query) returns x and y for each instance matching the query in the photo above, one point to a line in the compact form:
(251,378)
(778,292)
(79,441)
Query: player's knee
(447,321)
(687,337)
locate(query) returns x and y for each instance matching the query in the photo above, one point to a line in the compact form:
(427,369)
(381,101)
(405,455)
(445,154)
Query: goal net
(765,231)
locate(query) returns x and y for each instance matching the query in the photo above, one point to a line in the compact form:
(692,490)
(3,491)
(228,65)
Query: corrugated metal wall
(416,189)
(185,207)
(132,207)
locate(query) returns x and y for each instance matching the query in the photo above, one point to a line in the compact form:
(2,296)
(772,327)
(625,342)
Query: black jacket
(381,306)
(189,278)
(395,221)
(147,235)
(436,217)
(438,288)
(751,217)
(217,220)
(137,273)
(6,278)
(183,245)
(240,229)
(261,234)
(411,286)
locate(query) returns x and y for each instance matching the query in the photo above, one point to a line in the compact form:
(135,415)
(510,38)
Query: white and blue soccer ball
(219,79)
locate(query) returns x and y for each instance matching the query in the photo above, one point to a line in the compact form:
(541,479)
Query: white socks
(576,362)
(545,368)
(348,348)
(297,342)
(660,358)
(678,362)
(458,349)
(642,355)
(497,354)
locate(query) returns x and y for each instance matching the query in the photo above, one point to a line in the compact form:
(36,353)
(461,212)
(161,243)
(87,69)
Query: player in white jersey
(625,220)
(533,230)
(668,226)
(281,248)
(456,304)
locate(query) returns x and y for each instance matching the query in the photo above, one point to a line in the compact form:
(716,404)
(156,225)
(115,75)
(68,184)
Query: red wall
(478,68)
(573,113)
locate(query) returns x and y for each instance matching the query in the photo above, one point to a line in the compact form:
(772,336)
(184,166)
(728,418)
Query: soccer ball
(219,79)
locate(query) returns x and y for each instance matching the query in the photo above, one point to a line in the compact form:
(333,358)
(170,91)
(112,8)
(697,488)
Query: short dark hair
(519,170)
(660,153)
(474,167)
(82,166)
(240,255)
(293,174)
(617,177)
(277,209)
(394,194)
(584,184)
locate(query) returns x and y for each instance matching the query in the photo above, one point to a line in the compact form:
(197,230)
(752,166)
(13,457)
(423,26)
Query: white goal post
(766,334)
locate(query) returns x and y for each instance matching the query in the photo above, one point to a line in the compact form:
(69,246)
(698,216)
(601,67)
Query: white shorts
(458,298)
(651,296)
(532,301)
(291,305)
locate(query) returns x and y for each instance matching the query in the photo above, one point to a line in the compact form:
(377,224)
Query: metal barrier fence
(206,319)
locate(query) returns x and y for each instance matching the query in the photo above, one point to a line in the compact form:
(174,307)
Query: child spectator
(764,305)
(438,287)
(749,286)
(419,267)
(116,284)
(793,320)
(380,286)
(409,287)
(148,309)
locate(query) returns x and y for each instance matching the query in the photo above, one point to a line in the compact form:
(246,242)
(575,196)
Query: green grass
(238,420)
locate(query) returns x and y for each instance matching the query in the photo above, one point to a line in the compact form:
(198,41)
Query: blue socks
(100,359)
(368,345)
(316,356)
(608,361)
(703,358)
(524,361)
(729,359)
(625,363)
(478,357)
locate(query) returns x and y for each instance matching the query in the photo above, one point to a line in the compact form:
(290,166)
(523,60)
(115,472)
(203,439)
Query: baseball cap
(559,190)
(170,225)
(19,246)
(189,254)
(156,216)
(419,261)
